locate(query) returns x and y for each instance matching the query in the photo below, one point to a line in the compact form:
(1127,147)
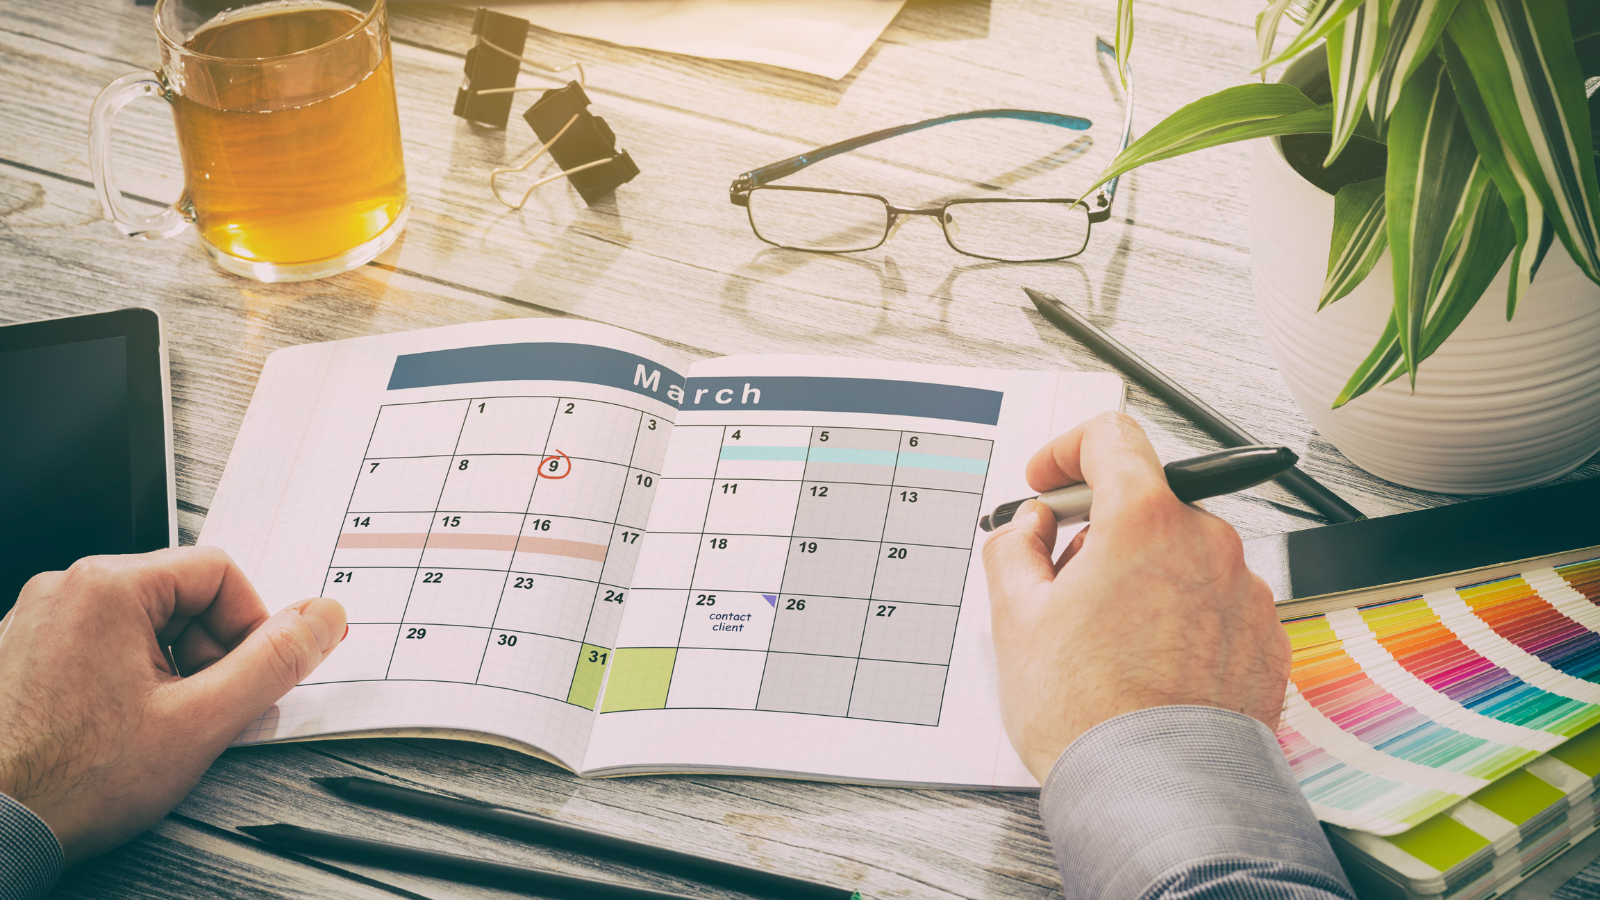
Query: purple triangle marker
(772,600)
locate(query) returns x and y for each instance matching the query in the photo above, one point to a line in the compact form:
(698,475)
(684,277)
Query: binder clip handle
(581,143)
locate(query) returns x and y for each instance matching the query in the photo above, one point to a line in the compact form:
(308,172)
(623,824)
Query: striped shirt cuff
(30,855)
(1184,801)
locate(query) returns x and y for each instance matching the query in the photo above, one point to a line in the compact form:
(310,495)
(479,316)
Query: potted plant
(1416,157)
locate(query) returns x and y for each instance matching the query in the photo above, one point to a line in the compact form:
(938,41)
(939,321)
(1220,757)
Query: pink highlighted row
(524,544)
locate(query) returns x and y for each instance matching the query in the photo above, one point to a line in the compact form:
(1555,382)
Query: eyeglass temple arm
(774,171)
(738,191)
(1108,191)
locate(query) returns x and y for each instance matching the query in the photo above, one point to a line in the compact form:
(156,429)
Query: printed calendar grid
(882,673)
(296,454)
(579,651)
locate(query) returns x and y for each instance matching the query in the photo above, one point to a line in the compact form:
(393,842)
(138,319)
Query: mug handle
(116,95)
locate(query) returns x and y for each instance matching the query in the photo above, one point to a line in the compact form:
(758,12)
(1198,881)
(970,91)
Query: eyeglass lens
(818,220)
(1017,231)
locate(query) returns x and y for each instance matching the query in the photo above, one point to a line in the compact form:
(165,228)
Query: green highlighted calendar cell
(588,677)
(640,677)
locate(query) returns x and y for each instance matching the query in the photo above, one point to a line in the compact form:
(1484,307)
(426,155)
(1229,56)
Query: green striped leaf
(1381,366)
(1432,164)
(1478,182)
(1305,12)
(1238,113)
(1529,253)
(1414,30)
(1546,238)
(1360,234)
(1354,50)
(1325,17)
(1532,226)
(1267,22)
(1484,242)
(1124,39)
(1524,53)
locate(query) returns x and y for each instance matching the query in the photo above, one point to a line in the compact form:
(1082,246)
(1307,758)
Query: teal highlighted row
(859,457)
(765,454)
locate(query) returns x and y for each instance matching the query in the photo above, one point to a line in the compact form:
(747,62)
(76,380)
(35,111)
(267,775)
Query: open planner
(562,537)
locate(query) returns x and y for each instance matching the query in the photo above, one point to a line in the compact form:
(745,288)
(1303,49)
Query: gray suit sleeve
(30,855)
(1184,802)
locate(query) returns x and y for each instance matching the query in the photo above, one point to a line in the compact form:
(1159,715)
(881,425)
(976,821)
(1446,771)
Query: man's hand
(1150,606)
(97,734)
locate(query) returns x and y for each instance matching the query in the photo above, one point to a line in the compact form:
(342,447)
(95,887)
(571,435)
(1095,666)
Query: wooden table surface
(669,257)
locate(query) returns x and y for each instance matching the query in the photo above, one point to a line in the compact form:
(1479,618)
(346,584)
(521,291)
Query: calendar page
(475,496)
(808,597)
(559,537)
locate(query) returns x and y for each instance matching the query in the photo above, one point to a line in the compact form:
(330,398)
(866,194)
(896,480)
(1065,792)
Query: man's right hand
(1152,605)
(97,735)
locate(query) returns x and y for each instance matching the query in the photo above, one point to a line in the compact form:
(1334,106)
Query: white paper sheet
(823,37)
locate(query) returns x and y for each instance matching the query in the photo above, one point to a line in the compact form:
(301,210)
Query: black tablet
(86,457)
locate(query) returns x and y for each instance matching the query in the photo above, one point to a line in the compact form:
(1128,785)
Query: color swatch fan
(1446,733)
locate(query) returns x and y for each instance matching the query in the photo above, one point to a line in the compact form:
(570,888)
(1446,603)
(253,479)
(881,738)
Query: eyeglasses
(1009,229)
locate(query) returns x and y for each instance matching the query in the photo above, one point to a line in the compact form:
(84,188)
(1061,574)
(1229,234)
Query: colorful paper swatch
(1398,711)
(1487,843)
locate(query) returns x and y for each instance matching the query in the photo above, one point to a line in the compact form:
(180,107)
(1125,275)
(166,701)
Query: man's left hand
(98,735)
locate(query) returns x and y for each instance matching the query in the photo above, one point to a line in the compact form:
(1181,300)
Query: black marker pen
(1211,475)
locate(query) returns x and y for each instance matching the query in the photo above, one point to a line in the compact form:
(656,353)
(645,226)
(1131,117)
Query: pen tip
(985,524)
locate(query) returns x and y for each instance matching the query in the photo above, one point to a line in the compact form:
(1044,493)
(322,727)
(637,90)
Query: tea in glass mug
(286,121)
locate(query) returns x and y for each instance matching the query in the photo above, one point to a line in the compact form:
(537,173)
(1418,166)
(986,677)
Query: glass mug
(288,129)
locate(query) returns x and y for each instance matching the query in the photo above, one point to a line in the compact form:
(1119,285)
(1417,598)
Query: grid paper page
(475,496)
(809,598)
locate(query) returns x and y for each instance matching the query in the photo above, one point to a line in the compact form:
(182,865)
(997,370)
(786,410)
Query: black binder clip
(580,142)
(492,67)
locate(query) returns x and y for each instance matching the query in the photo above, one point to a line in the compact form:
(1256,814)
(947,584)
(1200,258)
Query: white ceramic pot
(1500,406)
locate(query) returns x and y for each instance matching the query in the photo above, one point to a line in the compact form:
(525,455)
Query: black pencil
(535,829)
(405,858)
(1224,432)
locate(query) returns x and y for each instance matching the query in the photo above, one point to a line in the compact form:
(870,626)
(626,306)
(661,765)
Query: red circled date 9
(558,465)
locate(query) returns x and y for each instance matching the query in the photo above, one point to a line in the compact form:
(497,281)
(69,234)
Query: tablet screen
(69,468)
